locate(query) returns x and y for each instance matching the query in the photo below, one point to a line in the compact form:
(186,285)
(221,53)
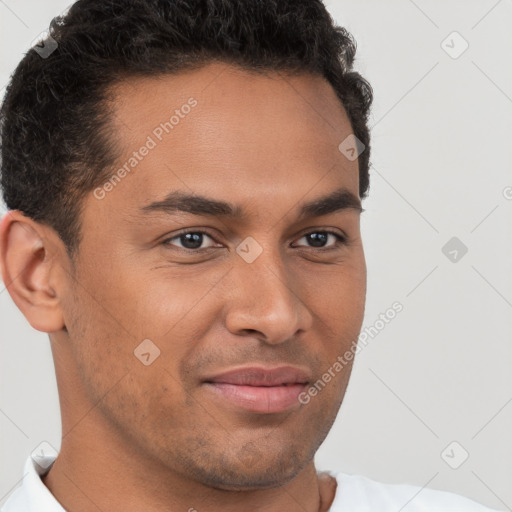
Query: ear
(29,264)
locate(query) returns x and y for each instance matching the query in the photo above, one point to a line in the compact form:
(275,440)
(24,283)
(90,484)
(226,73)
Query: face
(179,308)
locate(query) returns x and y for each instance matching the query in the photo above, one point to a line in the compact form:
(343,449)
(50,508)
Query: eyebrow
(178,201)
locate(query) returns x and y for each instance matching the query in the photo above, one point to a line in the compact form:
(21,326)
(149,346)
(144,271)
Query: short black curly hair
(54,120)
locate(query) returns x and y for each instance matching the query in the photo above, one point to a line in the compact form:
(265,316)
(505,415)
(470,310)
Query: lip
(258,389)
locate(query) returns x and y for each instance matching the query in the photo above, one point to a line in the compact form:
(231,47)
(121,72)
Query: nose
(263,301)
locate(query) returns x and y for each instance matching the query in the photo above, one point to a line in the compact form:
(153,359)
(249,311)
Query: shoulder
(357,493)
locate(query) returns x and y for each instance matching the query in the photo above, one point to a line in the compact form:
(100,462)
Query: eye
(194,240)
(319,239)
(191,240)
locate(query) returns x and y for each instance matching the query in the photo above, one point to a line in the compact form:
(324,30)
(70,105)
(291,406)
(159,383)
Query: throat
(327,487)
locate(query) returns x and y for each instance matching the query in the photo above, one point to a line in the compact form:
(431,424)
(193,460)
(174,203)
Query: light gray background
(440,371)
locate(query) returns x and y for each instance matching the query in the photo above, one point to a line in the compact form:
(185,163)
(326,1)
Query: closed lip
(262,376)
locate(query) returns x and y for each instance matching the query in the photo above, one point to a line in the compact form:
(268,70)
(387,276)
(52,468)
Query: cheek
(338,296)
(101,345)
(340,308)
(156,303)
(117,380)
(113,331)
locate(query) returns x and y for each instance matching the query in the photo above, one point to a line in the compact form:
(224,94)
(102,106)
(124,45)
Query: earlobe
(28,268)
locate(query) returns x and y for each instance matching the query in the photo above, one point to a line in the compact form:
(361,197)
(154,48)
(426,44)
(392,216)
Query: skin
(139,437)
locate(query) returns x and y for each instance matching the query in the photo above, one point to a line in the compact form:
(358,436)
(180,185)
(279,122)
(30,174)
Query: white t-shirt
(355,493)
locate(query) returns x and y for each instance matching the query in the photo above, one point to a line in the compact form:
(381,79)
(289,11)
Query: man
(184,184)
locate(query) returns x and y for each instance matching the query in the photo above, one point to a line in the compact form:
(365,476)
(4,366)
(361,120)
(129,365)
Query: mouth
(260,390)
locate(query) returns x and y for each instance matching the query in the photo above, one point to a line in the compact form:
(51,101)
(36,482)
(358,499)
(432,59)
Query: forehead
(223,129)
(225,87)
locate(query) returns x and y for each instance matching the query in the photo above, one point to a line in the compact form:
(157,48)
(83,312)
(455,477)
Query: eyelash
(340,240)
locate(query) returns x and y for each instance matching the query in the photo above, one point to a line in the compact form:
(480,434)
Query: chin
(251,481)
(250,474)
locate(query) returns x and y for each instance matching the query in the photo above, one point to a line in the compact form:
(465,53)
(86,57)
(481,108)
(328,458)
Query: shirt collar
(33,495)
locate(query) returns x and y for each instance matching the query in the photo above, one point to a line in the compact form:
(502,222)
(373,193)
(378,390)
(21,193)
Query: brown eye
(320,239)
(191,240)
